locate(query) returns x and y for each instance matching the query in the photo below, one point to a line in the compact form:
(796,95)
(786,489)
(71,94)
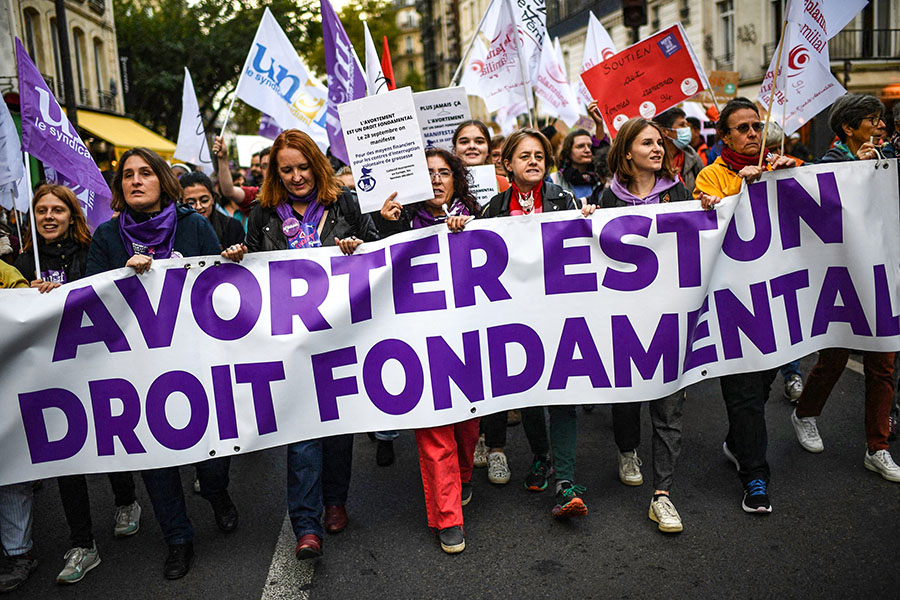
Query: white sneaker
(793,387)
(662,511)
(78,562)
(883,463)
(630,468)
(128,519)
(481,453)
(807,432)
(498,469)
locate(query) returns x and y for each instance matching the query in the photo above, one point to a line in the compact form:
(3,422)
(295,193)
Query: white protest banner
(192,146)
(126,372)
(598,46)
(384,145)
(483,183)
(276,81)
(376,82)
(439,112)
(552,87)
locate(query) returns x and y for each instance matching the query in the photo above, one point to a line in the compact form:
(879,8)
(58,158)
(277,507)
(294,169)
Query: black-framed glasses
(743,128)
(874,120)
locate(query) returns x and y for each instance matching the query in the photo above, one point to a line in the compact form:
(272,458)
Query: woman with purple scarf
(302,205)
(643,174)
(445,452)
(153,224)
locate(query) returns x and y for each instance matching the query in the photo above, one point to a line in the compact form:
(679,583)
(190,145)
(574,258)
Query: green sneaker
(128,519)
(569,502)
(541,470)
(78,562)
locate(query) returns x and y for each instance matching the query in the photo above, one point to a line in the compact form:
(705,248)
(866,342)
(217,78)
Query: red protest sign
(646,78)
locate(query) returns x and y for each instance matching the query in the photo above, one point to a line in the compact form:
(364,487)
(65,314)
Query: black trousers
(73,492)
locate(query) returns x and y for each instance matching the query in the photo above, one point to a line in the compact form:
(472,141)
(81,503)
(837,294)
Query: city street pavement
(834,531)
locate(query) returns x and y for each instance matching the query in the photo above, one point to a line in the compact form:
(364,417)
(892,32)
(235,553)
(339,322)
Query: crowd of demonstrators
(295,198)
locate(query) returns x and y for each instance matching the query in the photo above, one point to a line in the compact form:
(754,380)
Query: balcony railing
(769,51)
(724,62)
(98,6)
(107,100)
(83,97)
(865,44)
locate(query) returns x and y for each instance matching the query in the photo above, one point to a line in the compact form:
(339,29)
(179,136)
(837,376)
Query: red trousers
(446,457)
(878,368)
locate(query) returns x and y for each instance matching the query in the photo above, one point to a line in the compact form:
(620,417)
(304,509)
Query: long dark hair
(461,190)
(169,188)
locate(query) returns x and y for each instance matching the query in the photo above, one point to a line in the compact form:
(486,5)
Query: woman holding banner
(63,243)
(445,452)
(576,172)
(526,156)
(152,224)
(745,394)
(643,174)
(303,205)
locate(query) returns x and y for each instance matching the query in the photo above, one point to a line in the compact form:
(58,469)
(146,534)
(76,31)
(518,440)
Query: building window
(409,44)
(57,62)
(725,11)
(79,65)
(33,35)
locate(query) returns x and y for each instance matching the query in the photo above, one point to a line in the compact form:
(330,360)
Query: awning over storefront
(123,133)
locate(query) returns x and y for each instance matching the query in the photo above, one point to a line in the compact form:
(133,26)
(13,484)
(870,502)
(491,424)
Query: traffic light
(634,12)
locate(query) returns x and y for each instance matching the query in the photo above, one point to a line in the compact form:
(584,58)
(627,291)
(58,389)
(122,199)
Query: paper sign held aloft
(439,112)
(384,145)
(483,183)
(646,78)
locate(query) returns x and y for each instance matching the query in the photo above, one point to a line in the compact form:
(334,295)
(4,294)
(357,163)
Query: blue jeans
(792,368)
(16,517)
(318,474)
(167,495)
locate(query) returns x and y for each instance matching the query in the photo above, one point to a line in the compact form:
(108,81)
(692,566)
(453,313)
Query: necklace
(526,201)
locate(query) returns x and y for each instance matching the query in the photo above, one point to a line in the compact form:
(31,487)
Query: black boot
(179,561)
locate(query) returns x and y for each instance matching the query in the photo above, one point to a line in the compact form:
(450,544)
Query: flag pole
(531,117)
(234,97)
(18,219)
(28,193)
(762,149)
(465,57)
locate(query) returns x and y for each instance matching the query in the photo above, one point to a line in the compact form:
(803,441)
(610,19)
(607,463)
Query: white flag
(552,87)
(12,170)
(494,71)
(192,146)
(598,46)
(276,81)
(531,20)
(805,85)
(376,82)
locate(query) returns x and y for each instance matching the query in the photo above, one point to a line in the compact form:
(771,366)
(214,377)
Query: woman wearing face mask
(643,174)
(685,160)
(576,174)
(302,205)
(526,156)
(445,452)
(199,195)
(63,243)
(153,224)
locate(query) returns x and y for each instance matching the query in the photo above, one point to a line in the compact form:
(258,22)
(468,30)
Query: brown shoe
(335,518)
(308,546)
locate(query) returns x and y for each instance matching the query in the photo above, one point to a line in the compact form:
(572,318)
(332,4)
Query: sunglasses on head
(745,127)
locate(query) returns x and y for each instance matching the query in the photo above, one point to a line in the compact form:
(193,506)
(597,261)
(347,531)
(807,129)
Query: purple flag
(268,128)
(48,135)
(346,80)
(96,210)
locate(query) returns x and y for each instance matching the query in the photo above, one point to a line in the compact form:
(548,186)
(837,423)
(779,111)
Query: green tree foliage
(212,39)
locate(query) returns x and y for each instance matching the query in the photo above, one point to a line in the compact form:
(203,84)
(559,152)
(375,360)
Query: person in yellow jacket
(10,277)
(745,394)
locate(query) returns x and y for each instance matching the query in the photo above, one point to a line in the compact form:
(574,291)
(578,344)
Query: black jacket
(66,256)
(343,220)
(676,193)
(228,230)
(553,198)
(194,236)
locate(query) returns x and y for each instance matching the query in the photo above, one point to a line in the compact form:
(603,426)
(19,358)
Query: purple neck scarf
(622,193)
(424,218)
(305,233)
(153,237)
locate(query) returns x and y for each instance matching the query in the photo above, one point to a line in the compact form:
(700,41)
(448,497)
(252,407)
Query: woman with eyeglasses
(445,452)
(855,119)
(199,195)
(745,394)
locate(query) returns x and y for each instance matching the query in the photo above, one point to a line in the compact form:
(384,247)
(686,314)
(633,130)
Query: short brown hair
(169,188)
(622,167)
(79,230)
(509,147)
(272,193)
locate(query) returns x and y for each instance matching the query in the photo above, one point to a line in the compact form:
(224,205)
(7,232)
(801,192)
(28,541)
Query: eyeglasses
(743,128)
(875,121)
(440,173)
(202,201)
